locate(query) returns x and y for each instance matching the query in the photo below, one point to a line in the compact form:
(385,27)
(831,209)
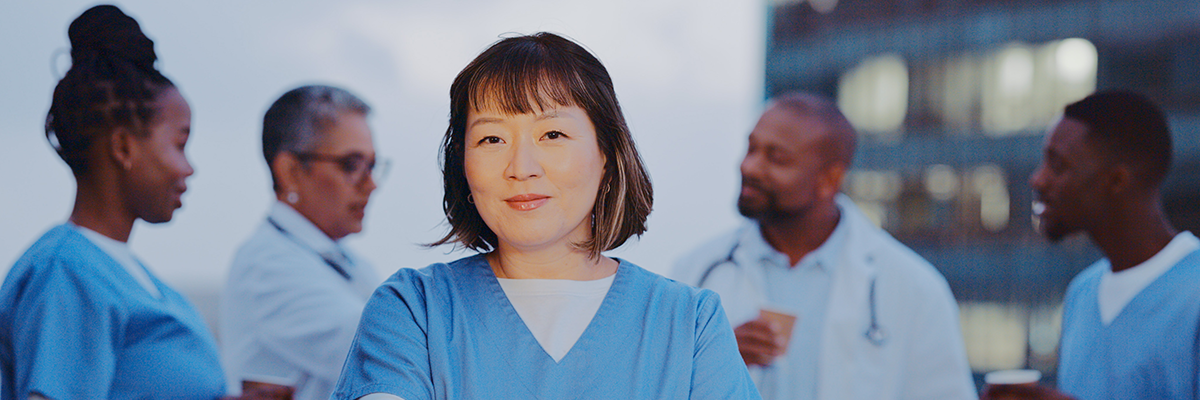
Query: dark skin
(136,173)
(97,205)
(791,175)
(1085,190)
(140,175)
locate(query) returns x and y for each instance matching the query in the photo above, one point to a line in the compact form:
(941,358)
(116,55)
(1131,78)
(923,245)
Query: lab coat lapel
(848,361)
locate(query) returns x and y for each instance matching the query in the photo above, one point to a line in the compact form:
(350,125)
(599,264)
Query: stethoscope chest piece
(875,335)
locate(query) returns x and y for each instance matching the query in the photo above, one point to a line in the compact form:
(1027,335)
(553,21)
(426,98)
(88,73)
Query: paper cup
(1013,377)
(783,319)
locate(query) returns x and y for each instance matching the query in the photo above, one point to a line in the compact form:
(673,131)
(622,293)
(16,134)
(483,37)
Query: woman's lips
(526,202)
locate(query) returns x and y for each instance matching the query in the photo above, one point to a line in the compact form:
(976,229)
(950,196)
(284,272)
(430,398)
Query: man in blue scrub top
(1129,327)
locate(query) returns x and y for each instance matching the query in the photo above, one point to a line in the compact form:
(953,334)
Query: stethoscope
(328,260)
(874,333)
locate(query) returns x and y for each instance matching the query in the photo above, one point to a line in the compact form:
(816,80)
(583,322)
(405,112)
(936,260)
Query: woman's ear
(286,170)
(122,147)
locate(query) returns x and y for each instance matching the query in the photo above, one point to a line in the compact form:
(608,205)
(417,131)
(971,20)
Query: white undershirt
(557,311)
(120,252)
(1118,289)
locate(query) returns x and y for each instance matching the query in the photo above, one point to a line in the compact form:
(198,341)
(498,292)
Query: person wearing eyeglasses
(294,294)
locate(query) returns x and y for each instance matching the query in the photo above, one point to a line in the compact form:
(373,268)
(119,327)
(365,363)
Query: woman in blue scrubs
(80,316)
(541,176)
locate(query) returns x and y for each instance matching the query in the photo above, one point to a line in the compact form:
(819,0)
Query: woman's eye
(491,140)
(554,135)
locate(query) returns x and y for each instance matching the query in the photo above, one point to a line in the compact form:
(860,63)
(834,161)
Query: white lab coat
(922,356)
(287,316)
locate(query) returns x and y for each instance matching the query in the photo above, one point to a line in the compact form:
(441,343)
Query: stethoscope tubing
(338,268)
(874,333)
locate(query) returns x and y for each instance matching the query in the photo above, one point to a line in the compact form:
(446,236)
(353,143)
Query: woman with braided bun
(80,316)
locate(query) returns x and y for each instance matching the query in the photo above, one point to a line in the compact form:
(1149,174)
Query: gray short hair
(296,120)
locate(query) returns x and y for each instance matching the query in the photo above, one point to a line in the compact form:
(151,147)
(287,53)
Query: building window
(874,95)
(1025,86)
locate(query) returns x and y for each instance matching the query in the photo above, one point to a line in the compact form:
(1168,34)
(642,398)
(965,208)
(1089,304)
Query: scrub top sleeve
(390,353)
(63,340)
(718,371)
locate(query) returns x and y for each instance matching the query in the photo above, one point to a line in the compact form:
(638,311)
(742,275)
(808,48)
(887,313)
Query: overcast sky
(688,75)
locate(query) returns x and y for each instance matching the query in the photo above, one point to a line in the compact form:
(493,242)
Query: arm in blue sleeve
(718,371)
(390,353)
(66,325)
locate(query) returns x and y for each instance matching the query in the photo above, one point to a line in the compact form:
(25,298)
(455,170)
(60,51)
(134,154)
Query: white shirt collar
(1118,289)
(300,228)
(120,252)
(825,256)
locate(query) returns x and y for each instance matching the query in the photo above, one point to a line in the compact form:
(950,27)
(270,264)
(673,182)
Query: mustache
(753,183)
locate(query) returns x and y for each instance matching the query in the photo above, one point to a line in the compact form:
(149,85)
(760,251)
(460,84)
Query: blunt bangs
(527,75)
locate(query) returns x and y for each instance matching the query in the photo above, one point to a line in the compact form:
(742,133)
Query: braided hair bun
(112,83)
(104,32)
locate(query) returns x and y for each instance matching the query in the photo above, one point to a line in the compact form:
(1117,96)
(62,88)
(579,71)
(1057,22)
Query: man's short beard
(769,211)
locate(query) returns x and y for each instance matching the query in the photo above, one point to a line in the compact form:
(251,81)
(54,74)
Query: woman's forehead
(497,104)
(521,94)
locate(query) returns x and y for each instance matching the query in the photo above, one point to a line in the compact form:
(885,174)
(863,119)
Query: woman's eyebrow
(485,120)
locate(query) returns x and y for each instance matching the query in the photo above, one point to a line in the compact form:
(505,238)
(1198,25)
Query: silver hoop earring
(293,197)
(470,198)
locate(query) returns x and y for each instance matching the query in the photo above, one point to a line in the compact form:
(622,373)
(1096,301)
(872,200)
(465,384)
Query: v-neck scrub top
(448,331)
(74,324)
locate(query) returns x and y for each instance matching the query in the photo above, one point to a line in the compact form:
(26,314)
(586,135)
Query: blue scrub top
(1151,350)
(448,331)
(75,325)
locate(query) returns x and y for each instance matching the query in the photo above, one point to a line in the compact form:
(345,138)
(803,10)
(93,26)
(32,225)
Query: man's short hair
(841,132)
(1129,128)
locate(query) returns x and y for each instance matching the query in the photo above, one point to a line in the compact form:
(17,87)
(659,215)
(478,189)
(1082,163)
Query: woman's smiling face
(534,176)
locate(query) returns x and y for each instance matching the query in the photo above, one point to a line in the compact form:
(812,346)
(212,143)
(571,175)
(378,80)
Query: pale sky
(688,74)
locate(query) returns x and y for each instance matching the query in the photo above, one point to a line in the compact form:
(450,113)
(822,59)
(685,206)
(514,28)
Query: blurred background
(951,98)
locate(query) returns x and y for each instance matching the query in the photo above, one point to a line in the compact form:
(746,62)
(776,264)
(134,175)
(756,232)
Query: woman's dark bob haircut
(524,74)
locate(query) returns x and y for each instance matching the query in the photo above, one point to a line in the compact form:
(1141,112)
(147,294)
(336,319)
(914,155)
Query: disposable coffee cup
(783,319)
(1013,377)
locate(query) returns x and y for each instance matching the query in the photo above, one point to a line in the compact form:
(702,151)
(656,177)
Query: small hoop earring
(293,197)
(470,198)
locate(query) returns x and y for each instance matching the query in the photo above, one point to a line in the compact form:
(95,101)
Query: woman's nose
(525,163)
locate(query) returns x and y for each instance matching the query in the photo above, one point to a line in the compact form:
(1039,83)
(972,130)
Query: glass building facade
(952,99)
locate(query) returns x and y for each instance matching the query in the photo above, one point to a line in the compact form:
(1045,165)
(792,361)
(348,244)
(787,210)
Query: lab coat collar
(301,229)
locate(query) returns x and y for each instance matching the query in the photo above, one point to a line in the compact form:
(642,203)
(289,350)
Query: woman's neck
(102,211)
(556,263)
